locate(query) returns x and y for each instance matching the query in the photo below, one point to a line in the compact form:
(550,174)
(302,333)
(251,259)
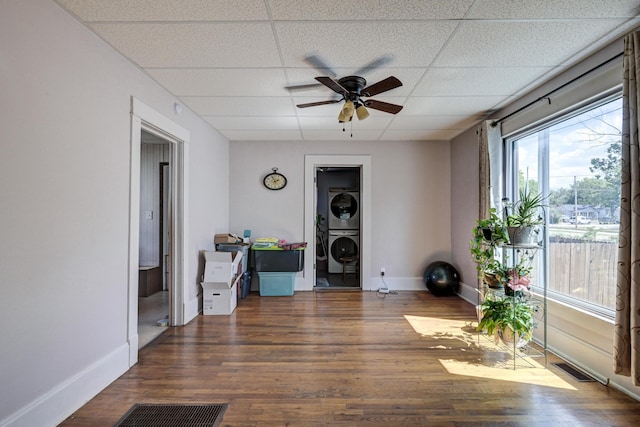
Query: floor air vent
(173,415)
(576,374)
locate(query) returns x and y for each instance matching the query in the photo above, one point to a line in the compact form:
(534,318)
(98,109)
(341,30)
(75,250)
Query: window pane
(577,163)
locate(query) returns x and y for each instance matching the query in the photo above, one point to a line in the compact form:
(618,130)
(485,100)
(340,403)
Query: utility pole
(575,202)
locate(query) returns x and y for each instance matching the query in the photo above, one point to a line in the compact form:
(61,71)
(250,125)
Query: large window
(575,162)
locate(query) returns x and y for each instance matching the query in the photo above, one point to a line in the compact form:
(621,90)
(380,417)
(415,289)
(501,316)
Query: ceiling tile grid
(240,63)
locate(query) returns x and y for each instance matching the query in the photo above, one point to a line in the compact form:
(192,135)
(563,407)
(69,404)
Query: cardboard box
(227,238)
(219,298)
(221,267)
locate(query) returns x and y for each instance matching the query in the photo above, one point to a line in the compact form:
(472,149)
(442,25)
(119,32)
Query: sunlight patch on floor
(492,361)
(536,375)
(444,329)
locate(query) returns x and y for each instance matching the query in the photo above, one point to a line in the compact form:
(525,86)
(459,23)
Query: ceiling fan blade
(303,87)
(384,59)
(383,106)
(313,104)
(333,85)
(382,86)
(320,65)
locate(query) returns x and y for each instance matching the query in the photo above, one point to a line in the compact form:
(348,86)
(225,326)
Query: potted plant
(487,235)
(523,217)
(509,319)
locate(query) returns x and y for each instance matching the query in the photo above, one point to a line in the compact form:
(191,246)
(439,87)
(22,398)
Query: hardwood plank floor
(353,359)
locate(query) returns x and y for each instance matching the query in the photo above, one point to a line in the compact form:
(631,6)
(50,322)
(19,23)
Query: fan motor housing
(354,84)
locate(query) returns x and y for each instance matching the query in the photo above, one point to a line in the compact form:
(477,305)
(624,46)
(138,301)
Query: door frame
(145,118)
(311,164)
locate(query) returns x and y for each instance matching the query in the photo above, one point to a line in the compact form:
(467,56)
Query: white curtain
(491,167)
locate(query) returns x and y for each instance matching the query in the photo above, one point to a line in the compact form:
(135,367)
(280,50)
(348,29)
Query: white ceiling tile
(522,43)
(310,10)
(237,106)
(221,81)
(477,80)
(357,44)
(418,135)
(319,123)
(252,123)
(233,60)
(338,135)
(553,9)
(432,122)
(167,10)
(262,135)
(194,44)
(449,105)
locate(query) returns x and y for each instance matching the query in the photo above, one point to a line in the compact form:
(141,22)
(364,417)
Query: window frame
(511,182)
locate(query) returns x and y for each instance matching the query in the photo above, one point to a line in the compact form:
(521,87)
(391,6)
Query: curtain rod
(546,96)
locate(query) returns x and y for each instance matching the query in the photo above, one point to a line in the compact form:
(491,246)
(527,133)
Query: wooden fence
(584,270)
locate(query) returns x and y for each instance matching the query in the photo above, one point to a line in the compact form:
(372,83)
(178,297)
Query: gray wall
(411,221)
(65,98)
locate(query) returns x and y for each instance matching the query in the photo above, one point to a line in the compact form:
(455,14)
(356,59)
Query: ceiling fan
(353,90)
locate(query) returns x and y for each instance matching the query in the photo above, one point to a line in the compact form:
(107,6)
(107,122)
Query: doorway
(181,307)
(337,241)
(154,286)
(351,172)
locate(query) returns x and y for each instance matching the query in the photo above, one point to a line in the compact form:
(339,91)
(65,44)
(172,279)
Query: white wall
(64,184)
(410,200)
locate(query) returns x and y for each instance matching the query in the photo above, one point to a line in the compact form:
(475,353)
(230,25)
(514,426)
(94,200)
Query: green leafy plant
(502,312)
(487,235)
(526,211)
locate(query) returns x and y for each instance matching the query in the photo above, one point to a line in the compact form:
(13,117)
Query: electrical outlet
(382,271)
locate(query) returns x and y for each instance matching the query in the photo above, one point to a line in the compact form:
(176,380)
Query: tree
(610,167)
(597,192)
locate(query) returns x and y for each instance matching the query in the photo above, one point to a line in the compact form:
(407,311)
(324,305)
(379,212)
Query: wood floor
(353,359)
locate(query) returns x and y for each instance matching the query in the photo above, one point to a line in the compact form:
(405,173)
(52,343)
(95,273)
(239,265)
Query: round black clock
(275,180)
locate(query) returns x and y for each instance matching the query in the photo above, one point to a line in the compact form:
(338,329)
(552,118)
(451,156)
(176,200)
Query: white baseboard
(57,404)
(398,284)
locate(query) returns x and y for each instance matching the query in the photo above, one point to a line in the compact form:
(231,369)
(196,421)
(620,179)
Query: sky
(572,144)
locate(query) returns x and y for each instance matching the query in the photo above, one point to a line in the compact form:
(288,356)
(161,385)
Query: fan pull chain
(344,130)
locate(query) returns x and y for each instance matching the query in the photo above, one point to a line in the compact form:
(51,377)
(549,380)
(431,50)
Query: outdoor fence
(585,270)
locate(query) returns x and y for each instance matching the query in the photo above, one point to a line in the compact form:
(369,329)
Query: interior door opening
(154,281)
(337,240)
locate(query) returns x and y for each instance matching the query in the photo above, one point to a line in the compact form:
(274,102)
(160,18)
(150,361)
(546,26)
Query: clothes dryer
(344,210)
(343,243)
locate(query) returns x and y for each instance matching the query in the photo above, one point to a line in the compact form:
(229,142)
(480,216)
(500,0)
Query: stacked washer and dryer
(344,228)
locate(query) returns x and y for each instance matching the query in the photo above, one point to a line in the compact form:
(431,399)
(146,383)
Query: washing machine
(344,209)
(343,243)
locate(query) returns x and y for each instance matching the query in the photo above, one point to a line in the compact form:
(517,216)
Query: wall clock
(275,180)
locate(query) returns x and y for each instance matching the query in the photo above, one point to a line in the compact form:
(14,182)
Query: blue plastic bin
(276,284)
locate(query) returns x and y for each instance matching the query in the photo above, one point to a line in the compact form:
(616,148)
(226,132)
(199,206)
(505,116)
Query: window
(574,162)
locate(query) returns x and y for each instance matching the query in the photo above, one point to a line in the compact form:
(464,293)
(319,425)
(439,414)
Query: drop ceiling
(232,61)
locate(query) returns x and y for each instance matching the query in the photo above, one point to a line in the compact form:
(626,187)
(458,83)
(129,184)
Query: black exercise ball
(441,278)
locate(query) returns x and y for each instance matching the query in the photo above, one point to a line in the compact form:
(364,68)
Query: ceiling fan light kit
(346,114)
(362,112)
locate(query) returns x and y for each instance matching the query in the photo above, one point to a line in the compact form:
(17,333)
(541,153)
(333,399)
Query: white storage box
(221,267)
(219,298)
